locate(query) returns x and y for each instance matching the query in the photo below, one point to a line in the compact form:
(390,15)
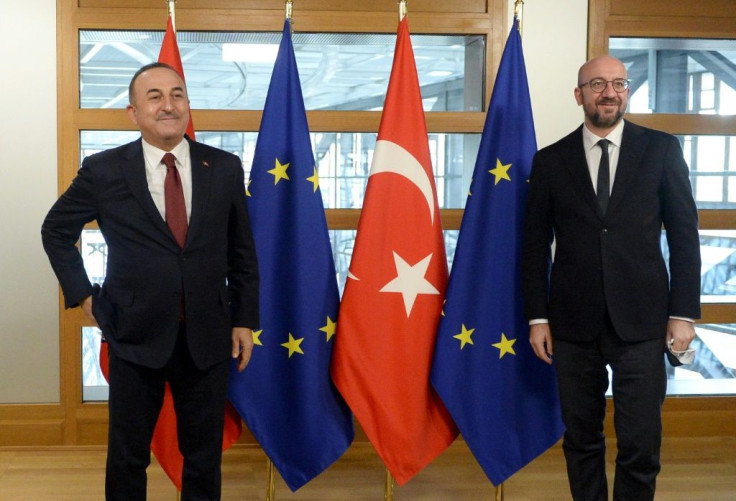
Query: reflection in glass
(679,75)
(231,71)
(343,160)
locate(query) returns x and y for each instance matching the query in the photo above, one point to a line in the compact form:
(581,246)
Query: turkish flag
(395,289)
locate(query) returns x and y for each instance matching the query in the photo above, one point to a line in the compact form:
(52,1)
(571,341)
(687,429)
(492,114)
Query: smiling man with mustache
(180,296)
(605,298)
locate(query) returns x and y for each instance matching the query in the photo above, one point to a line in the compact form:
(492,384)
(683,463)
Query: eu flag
(285,395)
(503,399)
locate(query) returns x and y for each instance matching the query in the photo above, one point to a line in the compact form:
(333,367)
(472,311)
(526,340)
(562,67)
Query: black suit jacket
(138,306)
(612,262)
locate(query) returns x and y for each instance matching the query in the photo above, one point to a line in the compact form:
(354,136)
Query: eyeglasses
(598,85)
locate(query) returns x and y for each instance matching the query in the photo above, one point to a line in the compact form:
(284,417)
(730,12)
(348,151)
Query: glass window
(94,385)
(343,160)
(679,75)
(718,271)
(714,370)
(231,71)
(712,161)
(718,267)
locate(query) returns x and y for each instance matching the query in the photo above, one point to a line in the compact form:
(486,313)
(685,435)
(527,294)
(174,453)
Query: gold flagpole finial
(403,11)
(172,13)
(289,6)
(519,13)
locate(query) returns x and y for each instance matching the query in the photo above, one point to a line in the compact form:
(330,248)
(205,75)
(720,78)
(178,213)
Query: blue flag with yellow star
(503,399)
(285,395)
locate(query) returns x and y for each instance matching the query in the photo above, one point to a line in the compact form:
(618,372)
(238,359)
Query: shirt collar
(154,155)
(590,140)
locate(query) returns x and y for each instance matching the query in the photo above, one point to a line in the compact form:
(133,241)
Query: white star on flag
(410,281)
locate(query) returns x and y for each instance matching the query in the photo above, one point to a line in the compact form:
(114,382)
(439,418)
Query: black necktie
(603,187)
(176,211)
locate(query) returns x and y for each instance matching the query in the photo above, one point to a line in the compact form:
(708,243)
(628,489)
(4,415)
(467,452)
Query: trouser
(639,386)
(136,396)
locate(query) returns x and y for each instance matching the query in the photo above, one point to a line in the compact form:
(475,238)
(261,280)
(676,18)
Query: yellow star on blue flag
(279,172)
(501,171)
(465,336)
(505,346)
(293,345)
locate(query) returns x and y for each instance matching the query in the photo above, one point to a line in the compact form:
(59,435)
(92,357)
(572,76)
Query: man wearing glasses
(604,296)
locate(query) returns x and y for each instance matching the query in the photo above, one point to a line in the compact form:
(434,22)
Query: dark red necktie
(176,210)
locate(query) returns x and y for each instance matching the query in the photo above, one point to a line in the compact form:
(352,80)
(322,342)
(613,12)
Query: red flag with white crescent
(395,288)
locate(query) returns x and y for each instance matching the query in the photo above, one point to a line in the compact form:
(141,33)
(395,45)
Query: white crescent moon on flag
(390,157)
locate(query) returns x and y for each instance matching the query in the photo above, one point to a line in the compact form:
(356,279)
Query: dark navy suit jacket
(138,306)
(611,262)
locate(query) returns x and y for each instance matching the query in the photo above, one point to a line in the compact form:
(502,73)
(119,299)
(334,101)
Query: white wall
(29,312)
(554,40)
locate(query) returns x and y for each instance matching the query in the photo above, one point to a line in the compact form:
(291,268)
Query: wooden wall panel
(658,18)
(463,6)
(41,425)
(672,8)
(31,425)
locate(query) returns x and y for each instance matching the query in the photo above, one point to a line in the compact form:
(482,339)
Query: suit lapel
(201,177)
(633,144)
(134,171)
(575,162)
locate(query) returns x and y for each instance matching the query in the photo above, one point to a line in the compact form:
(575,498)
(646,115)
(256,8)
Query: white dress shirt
(156,174)
(593,152)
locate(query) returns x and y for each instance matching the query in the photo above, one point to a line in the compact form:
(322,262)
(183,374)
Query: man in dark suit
(607,298)
(181,292)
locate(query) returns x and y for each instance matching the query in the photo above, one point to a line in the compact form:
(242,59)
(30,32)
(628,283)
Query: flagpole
(499,492)
(289,9)
(172,15)
(270,480)
(518,14)
(388,486)
(172,12)
(388,489)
